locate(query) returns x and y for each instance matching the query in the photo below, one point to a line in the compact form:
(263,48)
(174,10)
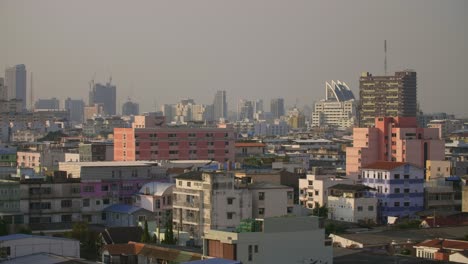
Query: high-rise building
(75,108)
(168,111)
(15,82)
(3,90)
(130,108)
(337,109)
(245,110)
(105,95)
(220,105)
(258,106)
(393,139)
(49,104)
(387,96)
(277,107)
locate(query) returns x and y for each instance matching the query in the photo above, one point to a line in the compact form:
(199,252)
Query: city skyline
(266,51)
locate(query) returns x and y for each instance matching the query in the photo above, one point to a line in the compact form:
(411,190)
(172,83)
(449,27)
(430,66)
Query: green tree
(145,237)
(3,228)
(320,211)
(169,233)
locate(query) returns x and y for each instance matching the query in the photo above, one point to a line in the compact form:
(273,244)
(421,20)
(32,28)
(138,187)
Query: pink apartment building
(150,139)
(393,139)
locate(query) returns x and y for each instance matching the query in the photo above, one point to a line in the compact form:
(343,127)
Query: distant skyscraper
(245,110)
(75,108)
(15,82)
(105,95)
(130,108)
(258,106)
(220,105)
(168,111)
(382,96)
(3,90)
(277,107)
(50,104)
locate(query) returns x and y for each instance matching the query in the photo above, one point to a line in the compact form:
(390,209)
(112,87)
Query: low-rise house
(133,253)
(350,203)
(440,249)
(157,198)
(18,245)
(272,240)
(313,190)
(125,215)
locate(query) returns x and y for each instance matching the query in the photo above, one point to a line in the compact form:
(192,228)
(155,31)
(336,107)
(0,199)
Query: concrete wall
(35,244)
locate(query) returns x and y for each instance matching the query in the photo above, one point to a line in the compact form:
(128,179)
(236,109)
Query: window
(173,152)
(407,190)
(261,211)
(311,183)
(370,208)
(98,202)
(192,135)
(88,188)
(192,143)
(180,183)
(396,204)
(66,218)
(141,218)
(397,176)
(397,190)
(230,200)
(5,252)
(406,204)
(359,208)
(261,196)
(211,151)
(256,248)
(406,176)
(172,135)
(105,201)
(250,253)
(103,216)
(66,203)
(289,210)
(230,215)
(316,192)
(105,188)
(290,195)
(173,143)
(189,184)
(85,202)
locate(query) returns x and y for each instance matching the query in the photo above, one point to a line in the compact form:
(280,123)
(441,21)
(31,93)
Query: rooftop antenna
(385,61)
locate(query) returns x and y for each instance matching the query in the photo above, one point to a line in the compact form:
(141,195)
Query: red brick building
(174,143)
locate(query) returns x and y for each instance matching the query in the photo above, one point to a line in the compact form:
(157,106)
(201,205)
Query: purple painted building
(399,187)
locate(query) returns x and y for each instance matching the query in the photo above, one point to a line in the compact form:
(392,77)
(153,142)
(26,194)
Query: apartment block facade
(174,143)
(393,139)
(399,188)
(393,95)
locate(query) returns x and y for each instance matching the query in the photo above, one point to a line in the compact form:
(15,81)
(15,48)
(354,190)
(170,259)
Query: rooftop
(24,236)
(266,185)
(249,144)
(350,187)
(155,188)
(191,175)
(385,165)
(123,208)
(112,163)
(441,243)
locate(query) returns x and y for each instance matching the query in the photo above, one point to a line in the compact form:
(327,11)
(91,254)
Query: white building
(277,240)
(314,189)
(338,109)
(349,203)
(18,245)
(270,200)
(157,198)
(204,201)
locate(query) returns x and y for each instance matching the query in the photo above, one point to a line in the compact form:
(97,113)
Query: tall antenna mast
(385,61)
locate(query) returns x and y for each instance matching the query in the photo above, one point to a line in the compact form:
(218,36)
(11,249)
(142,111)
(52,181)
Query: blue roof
(7,151)
(122,208)
(214,261)
(453,178)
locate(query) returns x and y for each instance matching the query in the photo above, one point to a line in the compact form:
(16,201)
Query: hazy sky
(161,51)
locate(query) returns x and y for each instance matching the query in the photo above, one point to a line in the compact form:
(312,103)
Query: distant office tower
(3,90)
(15,81)
(168,111)
(258,106)
(105,95)
(337,109)
(130,108)
(75,108)
(277,107)
(245,110)
(50,104)
(387,96)
(220,105)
